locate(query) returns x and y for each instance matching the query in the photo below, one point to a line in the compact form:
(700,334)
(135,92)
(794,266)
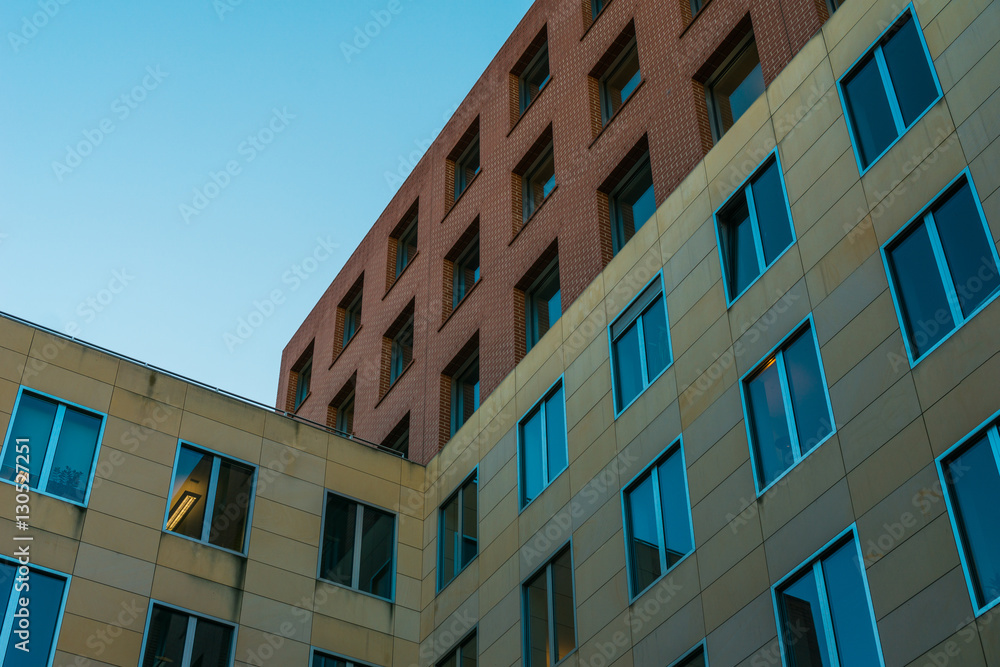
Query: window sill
(604,10)
(346,345)
(783,477)
(530,106)
(400,276)
(355,590)
(458,305)
(441,589)
(461,196)
(534,214)
(398,378)
(635,598)
(619,413)
(695,18)
(617,113)
(40,492)
(205,544)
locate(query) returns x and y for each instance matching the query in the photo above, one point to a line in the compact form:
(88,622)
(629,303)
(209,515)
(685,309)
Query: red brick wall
(668,108)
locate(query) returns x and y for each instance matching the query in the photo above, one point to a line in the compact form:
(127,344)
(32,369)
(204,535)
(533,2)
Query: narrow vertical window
(632,203)
(657,520)
(737,85)
(620,81)
(825,616)
(352,318)
(535,77)
(176,637)
(466,655)
(538,182)
(358,547)
(464,393)
(754,228)
(640,345)
(304,380)
(211,499)
(458,535)
(467,167)
(406,246)
(345,415)
(56,442)
(942,268)
(787,405)
(543,304)
(402,351)
(971,472)
(38,596)
(543,448)
(550,613)
(466,271)
(888,89)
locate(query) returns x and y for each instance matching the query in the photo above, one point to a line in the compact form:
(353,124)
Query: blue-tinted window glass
(628,373)
(212,643)
(868,106)
(643,536)
(45,597)
(532,453)
(449,535)
(33,420)
(805,384)
(696,659)
(769,426)
(189,497)
(803,632)
(910,72)
(74,455)
(674,504)
(967,248)
(377,543)
(738,243)
(974,485)
(920,291)
(747,92)
(337,558)
(555,434)
(644,207)
(857,645)
(772,215)
(657,338)
(324,661)
(563,608)
(165,639)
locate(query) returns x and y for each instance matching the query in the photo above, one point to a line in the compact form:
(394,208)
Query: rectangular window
(345,415)
(358,547)
(467,167)
(694,658)
(942,267)
(321,659)
(640,345)
(535,77)
(466,272)
(787,406)
(458,531)
(971,472)
(824,611)
(40,596)
(549,613)
(302,386)
(754,228)
(658,532)
(632,204)
(542,446)
(889,88)
(696,6)
(737,85)
(466,655)
(621,80)
(402,351)
(539,182)
(398,439)
(211,499)
(464,393)
(596,7)
(56,442)
(543,304)
(352,318)
(406,246)
(175,637)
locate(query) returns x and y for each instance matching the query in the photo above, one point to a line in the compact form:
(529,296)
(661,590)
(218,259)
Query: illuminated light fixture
(181,508)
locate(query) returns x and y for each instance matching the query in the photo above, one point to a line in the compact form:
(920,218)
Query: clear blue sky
(113,114)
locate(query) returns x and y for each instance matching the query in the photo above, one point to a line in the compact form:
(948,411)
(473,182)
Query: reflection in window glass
(632,204)
(620,82)
(550,612)
(788,408)
(458,540)
(543,447)
(42,600)
(358,546)
(889,89)
(178,638)
(640,345)
(972,474)
(465,393)
(734,89)
(46,424)
(535,77)
(466,272)
(543,304)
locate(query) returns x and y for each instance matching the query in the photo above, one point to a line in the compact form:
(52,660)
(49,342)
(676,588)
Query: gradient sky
(114,113)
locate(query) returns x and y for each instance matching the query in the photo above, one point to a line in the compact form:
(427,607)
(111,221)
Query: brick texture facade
(667,112)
